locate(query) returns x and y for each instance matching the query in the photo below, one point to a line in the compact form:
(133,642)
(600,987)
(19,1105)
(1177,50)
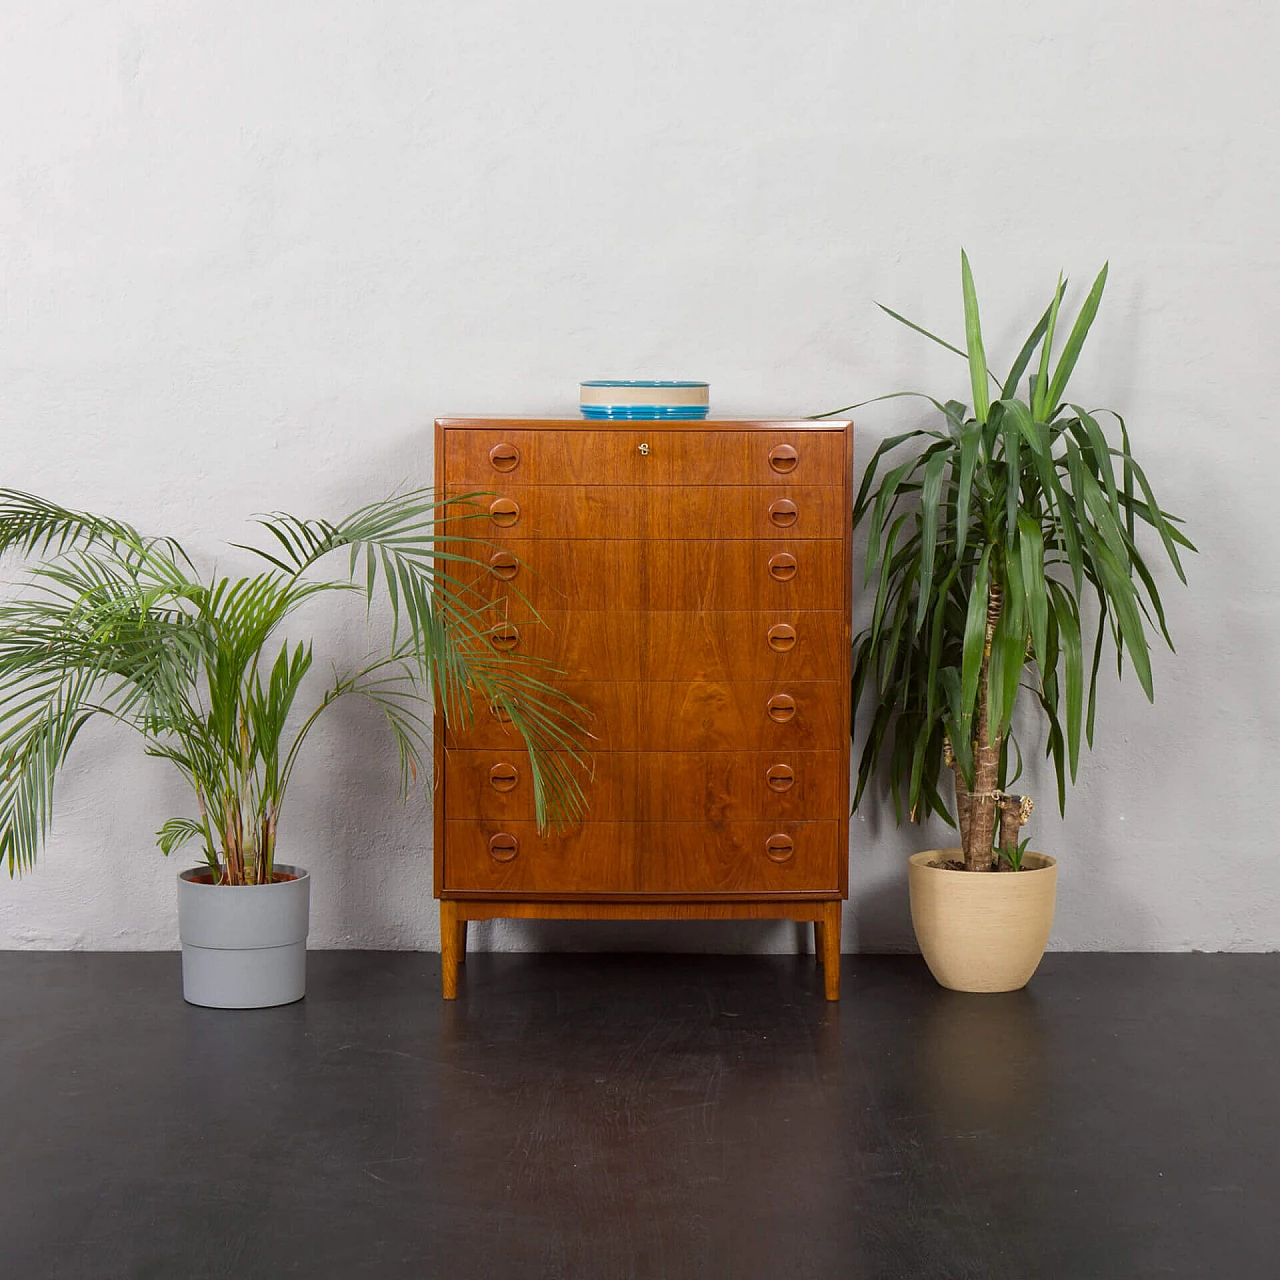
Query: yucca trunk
(983,801)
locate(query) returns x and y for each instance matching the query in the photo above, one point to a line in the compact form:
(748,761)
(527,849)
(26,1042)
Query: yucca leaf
(1043,325)
(1075,343)
(1031,552)
(1040,395)
(975,632)
(929,499)
(973,339)
(1068,620)
(933,337)
(969,445)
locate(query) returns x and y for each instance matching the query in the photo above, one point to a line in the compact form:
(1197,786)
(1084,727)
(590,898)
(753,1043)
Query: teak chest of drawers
(695,585)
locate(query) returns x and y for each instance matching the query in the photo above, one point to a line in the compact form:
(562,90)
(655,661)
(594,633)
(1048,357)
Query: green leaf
(975,639)
(1075,343)
(1031,551)
(933,337)
(1068,618)
(1013,474)
(1010,388)
(973,339)
(970,442)
(1039,408)
(929,498)
(1123,600)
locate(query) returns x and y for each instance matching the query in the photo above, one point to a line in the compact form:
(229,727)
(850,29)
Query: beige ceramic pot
(982,931)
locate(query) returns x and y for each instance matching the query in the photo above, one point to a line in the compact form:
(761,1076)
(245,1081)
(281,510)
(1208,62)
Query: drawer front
(783,644)
(498,785)
(511,857)
(739,857)
(667,575)
(698,715)
(514,512)
(614,456)
(613,720)
(722,646)
(740,786)
(778,573)
(665,786)
(751,716)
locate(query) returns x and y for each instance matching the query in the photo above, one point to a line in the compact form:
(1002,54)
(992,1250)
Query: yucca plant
(1008,535)
(114,624)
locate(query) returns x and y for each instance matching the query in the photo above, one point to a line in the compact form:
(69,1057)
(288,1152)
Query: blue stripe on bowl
(644,411)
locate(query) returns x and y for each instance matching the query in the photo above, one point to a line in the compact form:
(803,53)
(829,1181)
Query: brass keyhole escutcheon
(781,777)
(782,707)
(505,636)
(504,512)
(504,846)
(779,848)
(644,450)
(783,458)
(503,777)
(782,636)
(784,513)
(782,567)
(504,565)
(504,457)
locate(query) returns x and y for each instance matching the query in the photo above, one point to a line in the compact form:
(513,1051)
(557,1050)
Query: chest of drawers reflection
(692,581)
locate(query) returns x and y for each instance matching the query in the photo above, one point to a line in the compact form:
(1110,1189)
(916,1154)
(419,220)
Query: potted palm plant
(1005,557)
(114,624)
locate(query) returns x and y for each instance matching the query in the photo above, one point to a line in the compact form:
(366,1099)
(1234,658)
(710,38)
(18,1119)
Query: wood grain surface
(661,786)
(693,586)
(612,455)
(525,512)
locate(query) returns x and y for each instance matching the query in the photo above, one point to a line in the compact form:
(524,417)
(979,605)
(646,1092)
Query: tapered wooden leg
(831,917)
(462,942)
(449,938)
(817,940)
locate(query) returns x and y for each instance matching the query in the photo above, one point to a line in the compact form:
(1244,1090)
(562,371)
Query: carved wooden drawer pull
(784,513)
(504,565)
(782,567)
(504,512)
(778,848)
(504,777)
(781,777)
(782,636)
(782,707)
(506,635)
(499,713)
(504,457)
(783,458)
(503,847)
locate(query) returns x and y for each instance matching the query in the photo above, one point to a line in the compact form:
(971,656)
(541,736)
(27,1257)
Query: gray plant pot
(244,947)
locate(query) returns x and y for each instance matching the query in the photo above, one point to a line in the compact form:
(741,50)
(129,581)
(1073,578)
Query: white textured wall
(250,250)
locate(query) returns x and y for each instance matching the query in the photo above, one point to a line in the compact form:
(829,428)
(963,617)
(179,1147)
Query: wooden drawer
(486,857)
(739,786)
(596,857)
(691,716)
(736,857)
(661,574)
(668,786)
(497,785)
(513,513)
(708,716)
(724,646)
(733,646)
(611,455)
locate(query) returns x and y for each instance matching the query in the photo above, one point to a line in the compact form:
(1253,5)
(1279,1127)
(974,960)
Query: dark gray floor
(642,1116)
